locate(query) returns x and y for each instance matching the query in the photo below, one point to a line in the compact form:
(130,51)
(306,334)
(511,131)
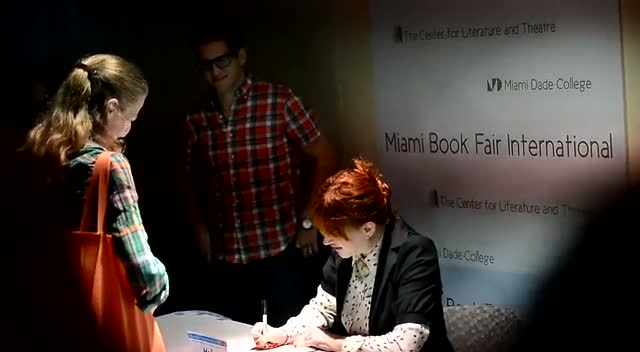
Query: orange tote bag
(121,324)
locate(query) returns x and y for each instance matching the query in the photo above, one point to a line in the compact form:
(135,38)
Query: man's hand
(307,242)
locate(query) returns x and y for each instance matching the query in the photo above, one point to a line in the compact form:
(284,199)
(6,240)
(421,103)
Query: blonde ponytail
(67,125)
(76,113)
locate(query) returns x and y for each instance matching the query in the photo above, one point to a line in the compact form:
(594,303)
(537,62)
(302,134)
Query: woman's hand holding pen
(267,337)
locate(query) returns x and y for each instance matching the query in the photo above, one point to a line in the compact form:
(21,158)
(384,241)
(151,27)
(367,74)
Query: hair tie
(91,72)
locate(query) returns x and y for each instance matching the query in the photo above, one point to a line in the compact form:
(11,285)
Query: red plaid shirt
(245,168)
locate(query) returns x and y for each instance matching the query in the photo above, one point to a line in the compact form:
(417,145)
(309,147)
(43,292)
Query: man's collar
(245,87)
(242,92)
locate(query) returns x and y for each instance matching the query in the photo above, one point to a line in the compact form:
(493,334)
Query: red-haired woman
(381,288)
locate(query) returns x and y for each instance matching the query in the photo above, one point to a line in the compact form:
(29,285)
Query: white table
(174,329)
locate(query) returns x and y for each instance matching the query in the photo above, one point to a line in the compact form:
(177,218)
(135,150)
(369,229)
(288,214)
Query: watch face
(307,224)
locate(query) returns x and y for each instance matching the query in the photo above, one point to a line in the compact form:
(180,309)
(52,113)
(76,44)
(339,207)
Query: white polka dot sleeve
(320,312)
(407,337)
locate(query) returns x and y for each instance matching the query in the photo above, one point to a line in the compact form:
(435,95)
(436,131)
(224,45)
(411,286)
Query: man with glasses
(245,143)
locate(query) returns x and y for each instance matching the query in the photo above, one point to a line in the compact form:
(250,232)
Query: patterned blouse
(321,311)
(145,273)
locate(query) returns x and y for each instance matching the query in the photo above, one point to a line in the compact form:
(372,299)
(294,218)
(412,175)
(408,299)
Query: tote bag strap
(98,188)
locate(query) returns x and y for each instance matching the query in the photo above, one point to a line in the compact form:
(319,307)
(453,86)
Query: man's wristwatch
(307,224)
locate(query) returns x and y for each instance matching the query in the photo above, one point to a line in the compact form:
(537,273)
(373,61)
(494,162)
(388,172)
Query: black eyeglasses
(221,62)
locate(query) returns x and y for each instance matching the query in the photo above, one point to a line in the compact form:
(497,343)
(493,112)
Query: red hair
(352,197)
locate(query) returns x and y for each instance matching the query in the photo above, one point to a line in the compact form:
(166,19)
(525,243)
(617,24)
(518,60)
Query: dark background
(43,39)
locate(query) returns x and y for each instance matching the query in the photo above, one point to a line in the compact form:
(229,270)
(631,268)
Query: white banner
(500,122)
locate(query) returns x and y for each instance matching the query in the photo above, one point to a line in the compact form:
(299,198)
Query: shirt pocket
(261,148)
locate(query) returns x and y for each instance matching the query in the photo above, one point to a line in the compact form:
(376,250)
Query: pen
(264,316)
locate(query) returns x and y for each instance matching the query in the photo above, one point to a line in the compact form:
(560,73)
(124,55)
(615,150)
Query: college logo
(494,85)
(540,85)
